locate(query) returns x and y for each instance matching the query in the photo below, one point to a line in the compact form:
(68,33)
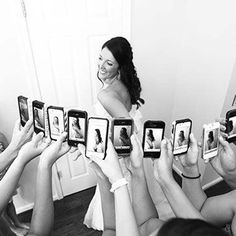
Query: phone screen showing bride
(122,130)
(97,135)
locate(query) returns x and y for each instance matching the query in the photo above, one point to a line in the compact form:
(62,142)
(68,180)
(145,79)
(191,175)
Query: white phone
(211,134)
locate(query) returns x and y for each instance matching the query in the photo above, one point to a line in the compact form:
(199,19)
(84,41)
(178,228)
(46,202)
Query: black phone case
(40,105)
(19,98)
(152,124)
(85,116)
(122,121)
(107,129)
(174,134)
(229,124)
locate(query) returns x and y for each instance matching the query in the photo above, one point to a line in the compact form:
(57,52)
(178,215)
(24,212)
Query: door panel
(66,37)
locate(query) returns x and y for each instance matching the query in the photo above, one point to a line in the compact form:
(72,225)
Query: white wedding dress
(94,217)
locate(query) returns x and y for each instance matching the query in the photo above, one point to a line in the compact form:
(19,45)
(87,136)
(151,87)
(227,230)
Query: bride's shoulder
(105,95)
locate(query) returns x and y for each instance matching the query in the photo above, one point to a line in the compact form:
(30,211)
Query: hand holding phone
(152,135)
(211,134)
(77,127)
(181,130)
(122,129)
(97,135)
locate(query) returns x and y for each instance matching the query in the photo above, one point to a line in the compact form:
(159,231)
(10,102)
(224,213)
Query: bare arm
(221,209)
(112,104)
(125,219)
(43,212)
(192,187)
(11,178)
(19,138)
(144,208)
(180,204)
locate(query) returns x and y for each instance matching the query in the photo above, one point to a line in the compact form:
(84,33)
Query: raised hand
(21,135)
(55,150)
(135,160)
(33,148)
(222,122)
(189,161)
(225,162)
(163,165)
(110,166)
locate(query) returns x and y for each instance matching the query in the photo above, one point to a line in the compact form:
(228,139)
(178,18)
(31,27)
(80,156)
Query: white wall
(185,52)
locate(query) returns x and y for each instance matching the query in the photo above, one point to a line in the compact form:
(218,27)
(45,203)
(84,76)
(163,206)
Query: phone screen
(39,119)
(56,122)
(23,109)
(97,137)
(121,137)
(76,128)
(181,137)
(210,140)
(152,140)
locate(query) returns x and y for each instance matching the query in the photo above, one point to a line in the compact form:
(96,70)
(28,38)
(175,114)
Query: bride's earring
(118,75)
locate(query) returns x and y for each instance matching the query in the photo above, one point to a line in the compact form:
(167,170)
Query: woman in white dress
(121,90)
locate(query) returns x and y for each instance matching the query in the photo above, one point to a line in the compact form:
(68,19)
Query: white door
(66,37)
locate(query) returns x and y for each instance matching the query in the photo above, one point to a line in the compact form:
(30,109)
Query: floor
(70,211)
(69,215)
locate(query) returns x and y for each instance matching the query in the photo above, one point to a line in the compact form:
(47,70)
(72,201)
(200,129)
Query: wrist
(191,171)
(137,172)
(117,177)
(166,182)
(12,151)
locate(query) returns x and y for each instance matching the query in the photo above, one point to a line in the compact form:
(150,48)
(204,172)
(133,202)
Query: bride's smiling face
(107,65)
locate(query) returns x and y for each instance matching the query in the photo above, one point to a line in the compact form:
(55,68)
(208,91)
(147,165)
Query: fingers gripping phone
(56,121)
(231,125)
(77,127)
(181,130)
(122,129)
(153,133)
(210,140)
(38,116)
(97,136)
(23,109)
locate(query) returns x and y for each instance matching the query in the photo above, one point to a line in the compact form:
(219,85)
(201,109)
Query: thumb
(224,143)
(193,141)
(164,146)
(97,160)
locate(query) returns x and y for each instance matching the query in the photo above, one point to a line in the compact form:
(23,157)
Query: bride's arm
(112,104)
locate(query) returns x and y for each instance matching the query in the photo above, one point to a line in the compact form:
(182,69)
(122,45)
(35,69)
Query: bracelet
(119,183)
(190,177)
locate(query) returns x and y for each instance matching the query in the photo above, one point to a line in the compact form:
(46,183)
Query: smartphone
(122,129)
(77,127)
(38,116)
(56,121)
(97,136)
(210,140)
(181,130)
(23,109)
(231,125)
(153,133)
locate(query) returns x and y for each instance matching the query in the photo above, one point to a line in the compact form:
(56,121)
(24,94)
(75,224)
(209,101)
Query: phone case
(153,133)
(54,125)
(39,119)
(23,109)
(182,141)
(210,142)
(231,125)
(123,146)
(80,130)
(100,154)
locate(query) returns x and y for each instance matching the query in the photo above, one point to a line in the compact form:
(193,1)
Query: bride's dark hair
(122,52)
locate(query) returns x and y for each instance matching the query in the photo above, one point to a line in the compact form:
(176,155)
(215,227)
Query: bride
(119,97)
(121,89)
